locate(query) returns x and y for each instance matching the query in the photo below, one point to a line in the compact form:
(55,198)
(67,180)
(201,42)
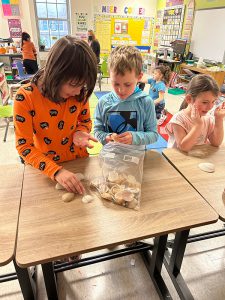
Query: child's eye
(127,85)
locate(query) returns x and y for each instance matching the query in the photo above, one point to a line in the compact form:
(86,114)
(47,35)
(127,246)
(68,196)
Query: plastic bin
(176,91)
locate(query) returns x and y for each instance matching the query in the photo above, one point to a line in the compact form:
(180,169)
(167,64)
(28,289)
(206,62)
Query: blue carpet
(161,143)
(100,94)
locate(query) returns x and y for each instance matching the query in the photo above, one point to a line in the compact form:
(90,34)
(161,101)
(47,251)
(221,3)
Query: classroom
(112,149)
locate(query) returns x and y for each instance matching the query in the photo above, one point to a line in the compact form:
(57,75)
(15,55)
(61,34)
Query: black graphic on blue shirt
(121,121)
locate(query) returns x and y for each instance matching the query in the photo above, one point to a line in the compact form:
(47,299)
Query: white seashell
(116,188)
(207,167)
(103,188)
(58,186)
(125,195)
(80,176)
(67,197)
(113,176)
(87,199)
(134,190)
(132,204)
(107,196)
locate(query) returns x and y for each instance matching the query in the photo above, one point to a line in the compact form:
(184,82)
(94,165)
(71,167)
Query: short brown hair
(69,59)
(125,58)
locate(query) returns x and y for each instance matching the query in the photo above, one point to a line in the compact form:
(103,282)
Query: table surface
(10,194)
(50,228)
(209,185)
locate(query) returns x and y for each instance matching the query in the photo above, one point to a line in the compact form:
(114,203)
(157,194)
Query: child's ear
(188,98)
(140,76)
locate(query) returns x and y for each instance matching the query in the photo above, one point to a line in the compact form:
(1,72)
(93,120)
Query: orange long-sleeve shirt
(28,50)
(44,129)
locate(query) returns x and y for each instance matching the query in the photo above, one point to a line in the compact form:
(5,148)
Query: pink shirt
(182,119)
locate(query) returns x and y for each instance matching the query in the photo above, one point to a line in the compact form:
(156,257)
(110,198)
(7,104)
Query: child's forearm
(157,101)
(190,139)
(216,137)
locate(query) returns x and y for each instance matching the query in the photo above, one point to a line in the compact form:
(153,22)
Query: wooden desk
(209,185)
(218,76)
(10,193)
(50,229)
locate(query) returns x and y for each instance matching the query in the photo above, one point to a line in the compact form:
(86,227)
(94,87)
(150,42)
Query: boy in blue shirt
(126,115)
(161,77)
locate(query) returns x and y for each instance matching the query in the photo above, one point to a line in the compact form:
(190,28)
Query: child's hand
(125,138)
(195,116)
(69,181)
(81,139)
(220,111)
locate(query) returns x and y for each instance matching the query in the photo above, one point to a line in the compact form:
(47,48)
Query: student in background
(94,44)
(51,114)
(161,77)
(127,114)
(192,125)
(29,54)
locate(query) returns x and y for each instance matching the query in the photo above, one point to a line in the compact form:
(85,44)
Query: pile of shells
(120,188)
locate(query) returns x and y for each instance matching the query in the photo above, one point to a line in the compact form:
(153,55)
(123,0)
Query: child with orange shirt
(51,114)
(29,54)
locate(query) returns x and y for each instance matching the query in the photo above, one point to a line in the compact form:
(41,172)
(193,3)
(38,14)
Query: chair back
(104,69)
(21,73)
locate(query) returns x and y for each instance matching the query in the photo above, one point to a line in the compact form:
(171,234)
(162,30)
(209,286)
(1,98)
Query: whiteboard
(208,35)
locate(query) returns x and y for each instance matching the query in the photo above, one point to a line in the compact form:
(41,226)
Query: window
(52,20)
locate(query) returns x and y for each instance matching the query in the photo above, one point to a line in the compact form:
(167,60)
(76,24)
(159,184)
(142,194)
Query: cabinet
(218,76)
(10,65)
(4,92)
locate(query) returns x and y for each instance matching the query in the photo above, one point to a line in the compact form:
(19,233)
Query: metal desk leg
(26,282)
(154,266)
(173,265)
(50,281)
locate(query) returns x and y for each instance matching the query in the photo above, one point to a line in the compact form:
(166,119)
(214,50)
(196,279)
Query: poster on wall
(189,21)
(15,28)
(121,26)
(174,2)
(10,8)
(81,22)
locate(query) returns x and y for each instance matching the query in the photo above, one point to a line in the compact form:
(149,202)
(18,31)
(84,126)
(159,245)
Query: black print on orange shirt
(47,141)
(72,127)
(19,97)
(56,158)
(84,112)
(51,152)
(42,165)
(26,152)
(21,141)
(44,125)
(73,109)
(64,141)
(61,125)
(86,121)
(20,118)
(32,113)
(72,148)
(53,112)
(34,131)
(29,88)
(121,121)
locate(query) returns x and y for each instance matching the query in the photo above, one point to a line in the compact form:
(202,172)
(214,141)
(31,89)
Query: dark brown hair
(199,84)
(125,58)
(69,59)
(165,71)
(25,37)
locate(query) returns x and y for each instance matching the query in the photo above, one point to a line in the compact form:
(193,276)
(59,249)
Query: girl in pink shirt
(192,125)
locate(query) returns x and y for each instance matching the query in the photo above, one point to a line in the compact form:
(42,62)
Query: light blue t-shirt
(155,88)
(135,114)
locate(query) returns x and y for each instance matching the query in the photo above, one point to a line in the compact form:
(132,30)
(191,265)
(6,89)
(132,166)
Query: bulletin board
(171,24)
(10,8)
(112,31)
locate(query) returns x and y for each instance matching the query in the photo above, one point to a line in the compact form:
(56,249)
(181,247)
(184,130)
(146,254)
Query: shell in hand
(207,167)
(58,186)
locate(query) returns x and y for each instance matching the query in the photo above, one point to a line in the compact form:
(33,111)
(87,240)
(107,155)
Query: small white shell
(124,195)
(58,186)
(113,176)
(207,167)
(132,204)
(116,188)
(80,176)
(67,197)
(107,196)
(103,188)
(87,199)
